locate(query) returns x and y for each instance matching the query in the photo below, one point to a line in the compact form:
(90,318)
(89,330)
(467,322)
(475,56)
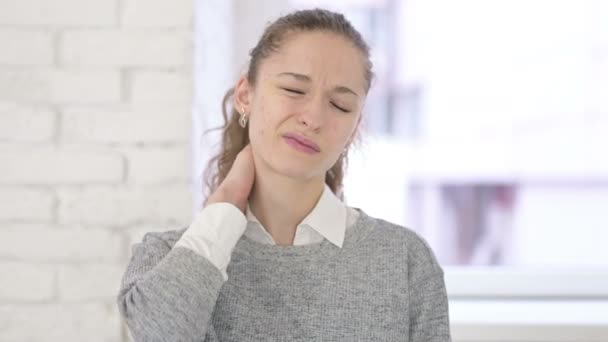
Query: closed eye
(295,91)
(340,108)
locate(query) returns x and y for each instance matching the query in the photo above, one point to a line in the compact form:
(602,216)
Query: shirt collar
(328,217)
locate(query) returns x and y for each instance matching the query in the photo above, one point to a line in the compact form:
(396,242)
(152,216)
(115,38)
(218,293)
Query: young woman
(275,254)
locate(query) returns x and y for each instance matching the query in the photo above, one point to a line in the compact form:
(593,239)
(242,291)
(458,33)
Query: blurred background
(486,132)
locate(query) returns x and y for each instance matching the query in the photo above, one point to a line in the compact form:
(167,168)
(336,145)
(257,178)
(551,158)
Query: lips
(302,140)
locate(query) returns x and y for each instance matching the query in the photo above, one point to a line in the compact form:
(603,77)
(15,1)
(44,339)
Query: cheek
(268,118)
(339,131)
(259,121)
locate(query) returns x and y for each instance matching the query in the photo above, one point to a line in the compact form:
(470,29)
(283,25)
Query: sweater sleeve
(429,312)
(168,294)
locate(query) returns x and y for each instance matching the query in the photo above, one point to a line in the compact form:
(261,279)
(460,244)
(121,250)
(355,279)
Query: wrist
(224,194)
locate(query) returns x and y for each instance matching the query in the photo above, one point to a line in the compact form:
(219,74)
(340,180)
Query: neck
(280,203)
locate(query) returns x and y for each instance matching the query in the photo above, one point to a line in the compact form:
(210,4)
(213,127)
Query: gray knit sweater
(383,285)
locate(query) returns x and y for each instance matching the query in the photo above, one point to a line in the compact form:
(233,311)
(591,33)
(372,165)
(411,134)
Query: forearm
(174,300)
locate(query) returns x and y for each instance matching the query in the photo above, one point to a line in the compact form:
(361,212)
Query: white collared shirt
(327,220)
(208,236)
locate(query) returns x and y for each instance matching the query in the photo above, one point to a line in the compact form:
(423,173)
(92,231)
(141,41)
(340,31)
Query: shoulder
(403,241)
(393,233)
(160,240)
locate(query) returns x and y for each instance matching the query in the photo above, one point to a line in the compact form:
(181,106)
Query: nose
(312,115)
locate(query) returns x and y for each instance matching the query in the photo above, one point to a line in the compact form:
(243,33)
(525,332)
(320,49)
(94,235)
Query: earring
(243,119)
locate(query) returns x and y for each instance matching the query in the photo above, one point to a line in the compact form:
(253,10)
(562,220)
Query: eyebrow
(306,78)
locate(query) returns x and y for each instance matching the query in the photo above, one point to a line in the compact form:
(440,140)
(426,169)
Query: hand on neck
(280,203)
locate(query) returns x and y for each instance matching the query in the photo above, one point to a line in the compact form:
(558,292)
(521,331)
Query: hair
(234,137)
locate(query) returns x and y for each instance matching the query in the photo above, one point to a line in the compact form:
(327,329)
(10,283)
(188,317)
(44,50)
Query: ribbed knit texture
(383,285)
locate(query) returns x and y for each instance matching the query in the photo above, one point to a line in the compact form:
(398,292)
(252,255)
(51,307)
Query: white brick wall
(157,13)
(26,123)
(59,86)
(59,13)
(85,321)
(27,282)
(26,203)
(95,119)
(160,87)
(26,47)
(52,166)
(143,125)
(137,48)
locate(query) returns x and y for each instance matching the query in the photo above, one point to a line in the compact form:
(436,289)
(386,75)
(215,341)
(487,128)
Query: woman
(275,255)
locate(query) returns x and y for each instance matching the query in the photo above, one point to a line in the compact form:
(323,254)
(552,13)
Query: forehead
(322,55)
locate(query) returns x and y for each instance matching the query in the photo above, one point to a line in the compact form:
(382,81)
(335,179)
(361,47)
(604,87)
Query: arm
(173,279)
(429,313)
(172,282)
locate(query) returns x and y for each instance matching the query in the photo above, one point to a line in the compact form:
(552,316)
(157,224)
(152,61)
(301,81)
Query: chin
(297,168)
(286,161)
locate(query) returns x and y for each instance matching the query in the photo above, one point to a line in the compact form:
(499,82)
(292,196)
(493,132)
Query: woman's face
(312,89)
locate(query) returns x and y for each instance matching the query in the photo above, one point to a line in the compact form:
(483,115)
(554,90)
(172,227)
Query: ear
(243,94)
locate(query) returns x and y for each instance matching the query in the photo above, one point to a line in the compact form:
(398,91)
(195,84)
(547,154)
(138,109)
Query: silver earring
(243,119)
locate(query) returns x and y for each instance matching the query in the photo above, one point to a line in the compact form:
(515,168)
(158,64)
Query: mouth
(301,143)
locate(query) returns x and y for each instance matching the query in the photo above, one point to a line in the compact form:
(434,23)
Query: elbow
(149,317)
(140,325)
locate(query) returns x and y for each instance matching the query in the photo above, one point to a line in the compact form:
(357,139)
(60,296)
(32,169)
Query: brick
(159,86)
(43,165)
(135,126)
(125,205)
(26,204)
(26,282)
(76,86)
(158,13)
(39,242)
(89,282)
(24,85)
(26,47)
(158,165)
(59,86)
(88,13)
(26,123)
(95,322)
(148,48)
